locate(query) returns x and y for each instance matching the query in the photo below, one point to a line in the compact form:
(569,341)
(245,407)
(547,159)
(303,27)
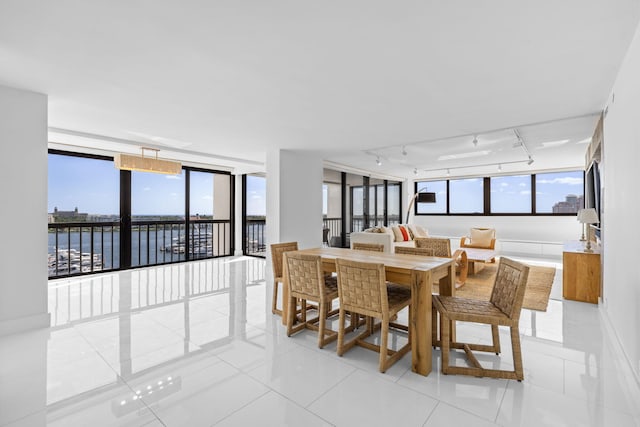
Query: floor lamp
(422,197)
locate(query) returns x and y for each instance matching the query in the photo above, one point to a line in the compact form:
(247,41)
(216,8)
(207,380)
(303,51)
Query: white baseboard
(25,323)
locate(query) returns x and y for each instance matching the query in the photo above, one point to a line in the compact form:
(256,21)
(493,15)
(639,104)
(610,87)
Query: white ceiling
(222,82)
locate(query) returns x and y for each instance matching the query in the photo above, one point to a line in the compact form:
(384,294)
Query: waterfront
(97,246)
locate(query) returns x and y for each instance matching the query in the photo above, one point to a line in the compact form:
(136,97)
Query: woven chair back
(414,251)
(441,247)
(306,280)
(277,250)
(509,287)
(373,247)
(362,287)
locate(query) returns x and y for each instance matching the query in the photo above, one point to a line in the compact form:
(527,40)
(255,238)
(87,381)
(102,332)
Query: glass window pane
(201,195)
(256,196)
(393,200)
(466,195)
(440,206)
(560,192)
(91,186)
(511,194)
(157,196)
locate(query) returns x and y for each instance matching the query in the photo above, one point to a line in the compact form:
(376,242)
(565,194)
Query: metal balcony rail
(255,239)
(90,247)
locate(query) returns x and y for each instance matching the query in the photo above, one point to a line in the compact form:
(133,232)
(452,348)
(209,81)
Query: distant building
(571,204)
(67,216)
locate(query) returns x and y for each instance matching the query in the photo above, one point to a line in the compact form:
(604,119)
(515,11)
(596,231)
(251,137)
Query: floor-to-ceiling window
(254,215)
(332,205)
(84,214)
(103,219)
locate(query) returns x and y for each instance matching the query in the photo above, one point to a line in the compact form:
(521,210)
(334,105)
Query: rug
(536,295)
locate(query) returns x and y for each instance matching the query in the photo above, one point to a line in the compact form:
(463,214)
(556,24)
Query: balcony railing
(82,247)
(255,239)
(357,222)
(89,247)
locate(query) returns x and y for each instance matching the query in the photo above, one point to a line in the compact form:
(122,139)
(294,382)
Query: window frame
(487,196)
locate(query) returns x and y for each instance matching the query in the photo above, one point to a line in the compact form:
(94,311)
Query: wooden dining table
(413,271)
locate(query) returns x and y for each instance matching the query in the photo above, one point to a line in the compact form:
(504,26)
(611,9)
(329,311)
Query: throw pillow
(406,235)
(397,234)
(482,237)
(418,231)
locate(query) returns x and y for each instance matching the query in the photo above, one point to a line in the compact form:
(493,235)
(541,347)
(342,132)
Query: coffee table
(478,257)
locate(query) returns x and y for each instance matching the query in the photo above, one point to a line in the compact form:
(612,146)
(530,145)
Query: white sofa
(387,239)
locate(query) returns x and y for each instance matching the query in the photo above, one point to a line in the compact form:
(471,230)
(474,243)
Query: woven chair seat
(471,310)
(330,289)
(397,296)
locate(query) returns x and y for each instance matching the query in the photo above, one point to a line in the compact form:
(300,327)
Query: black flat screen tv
(592,192)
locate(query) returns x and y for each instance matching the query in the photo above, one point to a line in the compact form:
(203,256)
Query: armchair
(481,238)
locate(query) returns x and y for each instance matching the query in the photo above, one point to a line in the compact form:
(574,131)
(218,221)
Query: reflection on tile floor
(196,344)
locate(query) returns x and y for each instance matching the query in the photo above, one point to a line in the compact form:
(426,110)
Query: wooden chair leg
(384,343)
(322,315)
(517,353)
(444,342)
(434,326)
(341,332)
(496,338)
(291,315)
(274,303)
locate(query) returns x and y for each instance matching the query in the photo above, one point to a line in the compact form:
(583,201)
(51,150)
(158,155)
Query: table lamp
(587,216)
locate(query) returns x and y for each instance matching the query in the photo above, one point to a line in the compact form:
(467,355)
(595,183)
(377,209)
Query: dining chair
(362,289)
(277,251)
(503,308)
(442,248)
(414,251)
(373,247)
(307,282)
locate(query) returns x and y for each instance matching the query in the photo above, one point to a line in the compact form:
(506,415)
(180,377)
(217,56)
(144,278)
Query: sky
(509,194)
(93,187)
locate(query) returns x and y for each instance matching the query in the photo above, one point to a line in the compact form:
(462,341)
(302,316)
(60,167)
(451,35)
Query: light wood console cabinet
(580,273)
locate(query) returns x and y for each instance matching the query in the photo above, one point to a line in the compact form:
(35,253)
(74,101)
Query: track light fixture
(448,172)
(499,167)
(475,140)
(415,171)
(530,162)
(378,161)
(404,151)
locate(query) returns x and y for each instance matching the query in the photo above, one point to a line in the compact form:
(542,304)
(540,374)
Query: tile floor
(196,345)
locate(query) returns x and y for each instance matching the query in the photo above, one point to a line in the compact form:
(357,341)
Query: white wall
(621,154)
(294,199)
(530,235)
(23,185)
(334,200)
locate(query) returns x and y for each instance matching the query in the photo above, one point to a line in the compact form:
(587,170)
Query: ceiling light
(499,167)
(415,171)
(448,172)
(404,151)
(141,163)
(530,162)
(378,161)
(475,141)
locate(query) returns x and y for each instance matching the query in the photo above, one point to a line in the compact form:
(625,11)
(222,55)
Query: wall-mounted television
(593,193)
